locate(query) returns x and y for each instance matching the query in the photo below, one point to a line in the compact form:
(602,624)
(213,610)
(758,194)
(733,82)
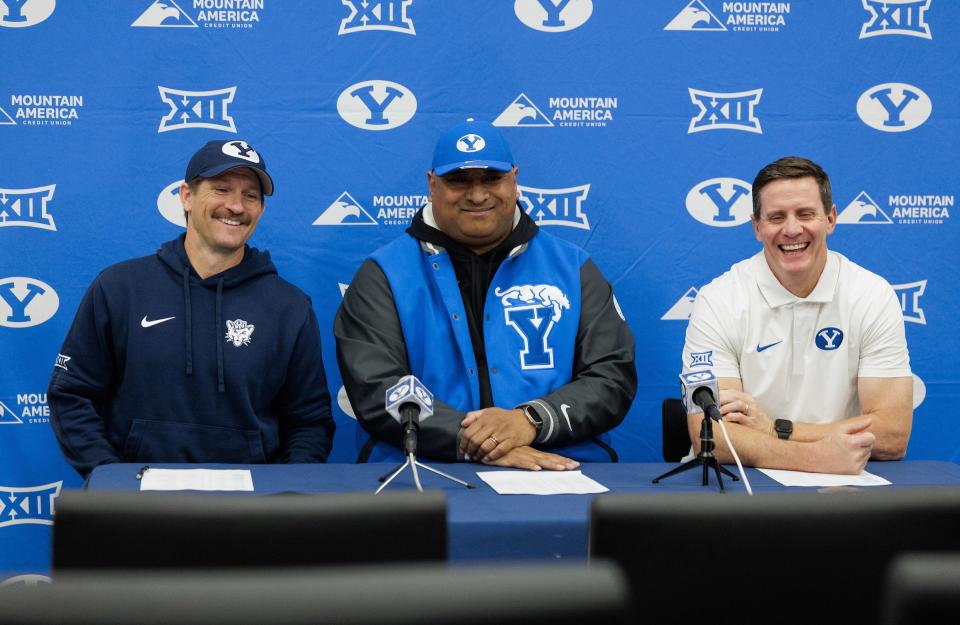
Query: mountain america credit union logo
(553,16)
(164,14)
(725,111)
(376,105)
(556,207)
(896,17)
(737,16)
(388,15)
(27,207)
(902,209)
(721,202)
(24,13)
(894,107)
(568,111)
(197,109)
(26,302)
(30,505)
(683,307)
(208,13)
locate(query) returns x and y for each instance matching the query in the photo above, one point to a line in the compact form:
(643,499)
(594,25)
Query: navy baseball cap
(217,157)
(471,145)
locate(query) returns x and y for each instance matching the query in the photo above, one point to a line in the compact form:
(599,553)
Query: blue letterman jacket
(404,313)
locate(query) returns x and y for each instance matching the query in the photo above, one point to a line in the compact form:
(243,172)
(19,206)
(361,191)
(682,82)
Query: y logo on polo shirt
(829,339)
(239,332)
(532,310)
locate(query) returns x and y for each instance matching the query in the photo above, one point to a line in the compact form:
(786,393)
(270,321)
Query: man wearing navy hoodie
(201,352)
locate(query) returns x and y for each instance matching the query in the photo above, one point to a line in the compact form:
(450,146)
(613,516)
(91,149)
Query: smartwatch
(533,417)
(784,428)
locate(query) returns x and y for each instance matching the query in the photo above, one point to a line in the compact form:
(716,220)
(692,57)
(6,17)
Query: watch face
(783,425)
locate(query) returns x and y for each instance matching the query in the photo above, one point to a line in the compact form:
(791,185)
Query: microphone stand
(410,450)
(705,458)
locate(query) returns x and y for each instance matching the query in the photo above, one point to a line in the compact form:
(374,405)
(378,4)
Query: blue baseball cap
(217,157)
(471,145)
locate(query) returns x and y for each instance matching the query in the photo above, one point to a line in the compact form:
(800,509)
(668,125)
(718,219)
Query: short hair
(792,167)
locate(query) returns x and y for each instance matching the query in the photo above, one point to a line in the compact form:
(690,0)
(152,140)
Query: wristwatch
(533,417)
(784,428)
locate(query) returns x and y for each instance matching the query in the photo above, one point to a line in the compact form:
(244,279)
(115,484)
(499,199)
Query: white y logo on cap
(471,143)
(240,149)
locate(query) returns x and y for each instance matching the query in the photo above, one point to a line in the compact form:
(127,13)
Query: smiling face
(793,226)
(475,207)
(222,214)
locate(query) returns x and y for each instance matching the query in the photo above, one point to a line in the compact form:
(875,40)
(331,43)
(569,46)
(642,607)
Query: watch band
(533,417)
(784,428)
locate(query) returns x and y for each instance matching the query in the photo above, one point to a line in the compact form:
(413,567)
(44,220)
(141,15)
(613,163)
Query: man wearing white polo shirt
(809,347)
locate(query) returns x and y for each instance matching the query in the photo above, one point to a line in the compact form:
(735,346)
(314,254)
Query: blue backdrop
(637,125)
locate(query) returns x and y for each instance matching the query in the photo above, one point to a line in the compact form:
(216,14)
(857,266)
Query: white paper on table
(196,479)
(541,482)
(802,478)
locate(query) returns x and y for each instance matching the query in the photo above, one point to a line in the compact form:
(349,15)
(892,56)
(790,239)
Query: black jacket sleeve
(604,380)
(303,403)
(372,356)
(81,383)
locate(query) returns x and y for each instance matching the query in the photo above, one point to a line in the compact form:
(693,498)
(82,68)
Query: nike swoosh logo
(761,348)
(148,324)
(564,408)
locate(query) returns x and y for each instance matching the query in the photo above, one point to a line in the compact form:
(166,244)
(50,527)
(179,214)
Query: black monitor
(415,594)
(922,588)
(803,557)
(95,529)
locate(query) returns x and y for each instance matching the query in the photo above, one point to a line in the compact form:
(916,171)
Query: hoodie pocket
(165,441)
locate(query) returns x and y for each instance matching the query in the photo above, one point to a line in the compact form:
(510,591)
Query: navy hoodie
(162,366)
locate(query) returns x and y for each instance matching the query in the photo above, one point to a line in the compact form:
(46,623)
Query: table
(483,525)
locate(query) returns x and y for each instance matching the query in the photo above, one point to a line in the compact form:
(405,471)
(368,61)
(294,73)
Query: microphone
(409,402)
(700,391)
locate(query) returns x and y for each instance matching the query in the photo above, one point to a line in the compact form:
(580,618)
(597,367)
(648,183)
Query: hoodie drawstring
(188,327)
(220,385)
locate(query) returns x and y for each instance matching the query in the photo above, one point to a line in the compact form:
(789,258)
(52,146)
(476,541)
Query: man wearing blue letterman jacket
(516,332)
(201,352)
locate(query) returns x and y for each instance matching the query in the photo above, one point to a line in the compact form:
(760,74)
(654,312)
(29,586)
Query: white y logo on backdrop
(24,13)
(376,105)
(26,302)
(721,202)
(894,107)
(553,16)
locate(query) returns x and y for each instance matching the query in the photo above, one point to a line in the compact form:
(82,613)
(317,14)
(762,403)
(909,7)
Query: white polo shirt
(799,357)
